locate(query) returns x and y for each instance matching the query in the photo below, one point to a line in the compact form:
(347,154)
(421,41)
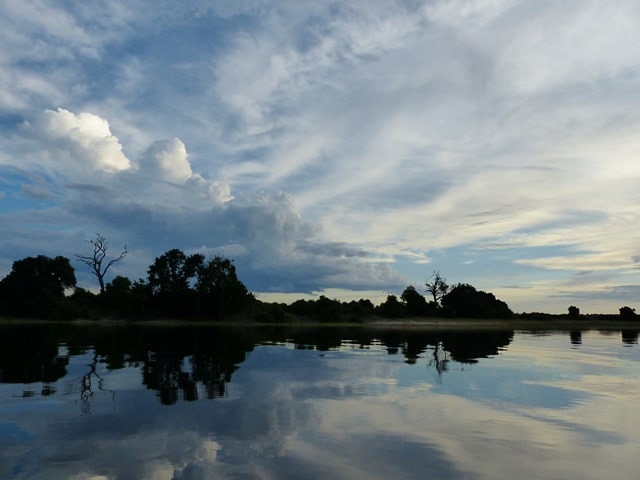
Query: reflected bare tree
(86,386)
(440,360)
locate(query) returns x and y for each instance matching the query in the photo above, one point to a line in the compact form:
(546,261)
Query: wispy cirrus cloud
(411,131)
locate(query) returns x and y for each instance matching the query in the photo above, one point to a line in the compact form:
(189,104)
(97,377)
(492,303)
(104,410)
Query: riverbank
(502,324)
(413,323)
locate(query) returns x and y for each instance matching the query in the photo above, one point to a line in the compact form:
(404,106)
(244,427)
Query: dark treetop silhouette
(195,287)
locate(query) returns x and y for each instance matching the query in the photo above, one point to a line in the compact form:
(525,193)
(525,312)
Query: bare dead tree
(437,286)
(97,259)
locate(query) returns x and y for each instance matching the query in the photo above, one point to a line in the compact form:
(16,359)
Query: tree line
(185,286)
(193,286)
(458,301)
(177,286)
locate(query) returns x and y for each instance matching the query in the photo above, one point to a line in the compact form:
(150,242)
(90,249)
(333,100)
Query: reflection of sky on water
(538,410)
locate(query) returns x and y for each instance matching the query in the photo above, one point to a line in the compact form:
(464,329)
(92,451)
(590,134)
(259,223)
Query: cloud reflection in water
(540,409)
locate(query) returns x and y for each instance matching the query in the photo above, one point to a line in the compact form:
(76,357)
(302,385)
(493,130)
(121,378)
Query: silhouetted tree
(83,302)
(329,309)
(268,312)
(119,288)
(391,307)
(97,260)
(125,298)
(574,312)
(356,311)
(302,307)
(628,313)
(437,287)
(36,286)
(414,303)
(218,288)
(466,301)
(141,297)
(322,309)
(170,278)
(171,272)
(184,285)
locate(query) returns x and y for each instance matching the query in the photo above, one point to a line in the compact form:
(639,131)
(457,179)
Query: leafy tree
(628,313)
(125,298)
(356,311)
(437,287)
(170,278)
(414,303)
(140,299)
(391,308)
(36,287)
(97,260)
(119,287)
(329,309)
(191,285)
(302,307)
(574,312)
(218,288)
(172,272)
(268,312)
(324,309)
(83,302)
(466,301)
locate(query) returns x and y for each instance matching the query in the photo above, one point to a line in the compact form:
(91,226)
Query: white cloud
(168,160)
(86,137)
(401,128)
(158,203)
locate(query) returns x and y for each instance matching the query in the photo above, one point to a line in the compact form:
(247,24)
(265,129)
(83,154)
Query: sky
(328,147)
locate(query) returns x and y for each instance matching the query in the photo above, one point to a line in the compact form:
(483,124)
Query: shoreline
(517,324)
(374,323)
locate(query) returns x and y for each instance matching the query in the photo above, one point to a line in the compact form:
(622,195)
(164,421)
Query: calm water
(160,403)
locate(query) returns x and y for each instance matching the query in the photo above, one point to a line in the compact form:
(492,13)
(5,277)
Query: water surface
(191,403)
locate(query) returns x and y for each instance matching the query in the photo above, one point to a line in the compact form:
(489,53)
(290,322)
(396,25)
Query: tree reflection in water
(166,373)
(630,336)
(86,386)
(192,363)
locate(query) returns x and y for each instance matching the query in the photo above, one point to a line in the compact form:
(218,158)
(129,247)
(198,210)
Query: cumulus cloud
(85,138)
(167,160)
(276,418)
(158,202)
(406,130)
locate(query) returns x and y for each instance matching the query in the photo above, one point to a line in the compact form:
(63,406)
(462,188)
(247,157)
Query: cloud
(281,414)
(83,140)
(44,49)
(157,203)
(406,130)
(167,160)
